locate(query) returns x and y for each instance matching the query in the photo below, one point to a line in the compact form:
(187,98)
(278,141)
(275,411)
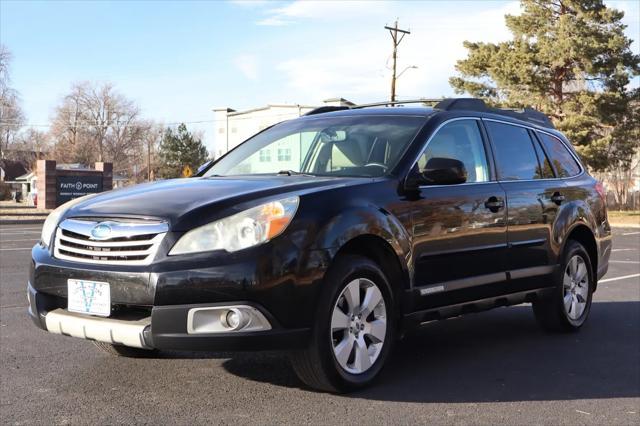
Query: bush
(5,191)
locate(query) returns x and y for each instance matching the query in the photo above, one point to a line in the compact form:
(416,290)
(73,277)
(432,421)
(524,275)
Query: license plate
(89,297)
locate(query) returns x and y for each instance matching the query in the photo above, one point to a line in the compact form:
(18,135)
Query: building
(233,127)
(15,176)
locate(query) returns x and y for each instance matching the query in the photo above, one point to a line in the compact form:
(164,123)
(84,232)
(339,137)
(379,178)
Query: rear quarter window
(562,160)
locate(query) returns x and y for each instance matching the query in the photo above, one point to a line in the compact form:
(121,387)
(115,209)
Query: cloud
(273,21)
(250,3)
(360,69)
(248,66)
(333,10)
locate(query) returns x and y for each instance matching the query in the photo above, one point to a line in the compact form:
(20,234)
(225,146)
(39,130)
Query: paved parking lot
(490,368)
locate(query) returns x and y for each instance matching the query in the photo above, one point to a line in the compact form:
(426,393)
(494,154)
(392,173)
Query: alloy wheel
(358,326)
(576,287)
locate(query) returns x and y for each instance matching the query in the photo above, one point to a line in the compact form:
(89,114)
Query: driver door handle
(494,204)
(557,198)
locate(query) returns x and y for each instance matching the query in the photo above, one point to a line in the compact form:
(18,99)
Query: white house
(233,127)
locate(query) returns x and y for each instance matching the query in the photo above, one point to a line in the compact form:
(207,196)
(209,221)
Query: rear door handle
(557,198)
(494,204)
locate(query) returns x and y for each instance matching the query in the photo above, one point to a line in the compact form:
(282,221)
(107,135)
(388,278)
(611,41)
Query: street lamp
(407,68)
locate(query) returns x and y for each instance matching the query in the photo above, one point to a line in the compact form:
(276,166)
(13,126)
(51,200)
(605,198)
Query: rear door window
(515,155)
(563,161)
(545,170)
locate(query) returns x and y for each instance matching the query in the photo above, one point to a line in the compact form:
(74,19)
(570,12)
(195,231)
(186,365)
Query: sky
(179,60)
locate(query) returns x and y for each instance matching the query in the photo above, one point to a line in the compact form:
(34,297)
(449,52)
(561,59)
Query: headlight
(51,222)
(242,230)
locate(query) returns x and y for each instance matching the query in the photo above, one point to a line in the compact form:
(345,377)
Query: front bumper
(115,331)
(165,328)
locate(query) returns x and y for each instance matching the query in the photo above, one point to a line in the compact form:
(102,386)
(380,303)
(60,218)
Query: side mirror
(443,171)
(202,168)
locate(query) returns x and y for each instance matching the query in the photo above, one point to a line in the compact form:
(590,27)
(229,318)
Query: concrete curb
(625,225)
(27,215)
(21,222)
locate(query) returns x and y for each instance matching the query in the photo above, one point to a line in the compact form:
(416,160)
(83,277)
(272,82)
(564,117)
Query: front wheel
(567,308)
(354,331)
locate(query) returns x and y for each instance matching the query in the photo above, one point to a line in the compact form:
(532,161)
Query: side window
(545,171)
(563,161)
(515,155)
(459,140)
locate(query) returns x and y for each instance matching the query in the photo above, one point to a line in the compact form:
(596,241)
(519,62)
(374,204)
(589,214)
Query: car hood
(186,203)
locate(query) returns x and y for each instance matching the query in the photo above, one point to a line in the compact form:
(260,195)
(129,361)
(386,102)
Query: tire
(371,335)
(126,351)
(567,308)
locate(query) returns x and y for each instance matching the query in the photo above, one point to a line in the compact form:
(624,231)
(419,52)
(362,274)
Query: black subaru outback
(368,222)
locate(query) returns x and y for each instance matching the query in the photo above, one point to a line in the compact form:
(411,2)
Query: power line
(90,124)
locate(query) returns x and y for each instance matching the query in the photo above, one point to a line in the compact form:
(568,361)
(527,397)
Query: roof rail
(472,104)
(327,108)
(389,103)
(454,104)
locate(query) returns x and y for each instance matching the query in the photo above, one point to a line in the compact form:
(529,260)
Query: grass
(630,217)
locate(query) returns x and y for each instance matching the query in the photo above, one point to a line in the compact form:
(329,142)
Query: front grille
(126,243)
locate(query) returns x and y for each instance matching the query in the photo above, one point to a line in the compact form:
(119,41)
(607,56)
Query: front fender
(366,221)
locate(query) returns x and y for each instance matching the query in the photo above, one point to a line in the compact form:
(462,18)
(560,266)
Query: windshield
(367,146)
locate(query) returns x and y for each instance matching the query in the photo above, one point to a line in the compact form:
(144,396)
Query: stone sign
(70,187)
(57,185)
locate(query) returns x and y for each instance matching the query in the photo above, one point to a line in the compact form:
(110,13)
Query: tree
(96,123)
(29,146)
(180,151)
(11,115)
(569,59)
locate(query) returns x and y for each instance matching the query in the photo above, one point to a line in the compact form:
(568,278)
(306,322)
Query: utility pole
(396,41)
(150,143)
(148,159)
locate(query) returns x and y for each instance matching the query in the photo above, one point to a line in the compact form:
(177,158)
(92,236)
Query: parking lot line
(626,249)
(16,249)
(23,239)
(19,233)
(631,233)
(624,261)
(624,277)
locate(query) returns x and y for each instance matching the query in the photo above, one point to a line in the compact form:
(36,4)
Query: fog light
(225,319)
(232,319)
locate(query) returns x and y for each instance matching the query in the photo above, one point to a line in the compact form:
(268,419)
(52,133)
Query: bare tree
(68,128)
(11,115)
(619,182)
(30,145)
(96,123)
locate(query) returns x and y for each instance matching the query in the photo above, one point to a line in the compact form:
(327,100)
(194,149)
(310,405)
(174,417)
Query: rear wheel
(354,330)
(567,308)
(126,351)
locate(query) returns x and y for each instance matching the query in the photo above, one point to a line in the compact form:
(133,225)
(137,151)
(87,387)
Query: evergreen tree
(571,60)
(180,150)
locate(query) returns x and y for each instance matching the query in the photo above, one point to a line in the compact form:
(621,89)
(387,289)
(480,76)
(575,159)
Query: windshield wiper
(292,173)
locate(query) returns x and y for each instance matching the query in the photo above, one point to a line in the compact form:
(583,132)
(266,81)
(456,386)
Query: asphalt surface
(496,367)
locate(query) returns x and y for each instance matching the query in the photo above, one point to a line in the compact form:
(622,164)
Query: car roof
(413,111)
(429,112)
